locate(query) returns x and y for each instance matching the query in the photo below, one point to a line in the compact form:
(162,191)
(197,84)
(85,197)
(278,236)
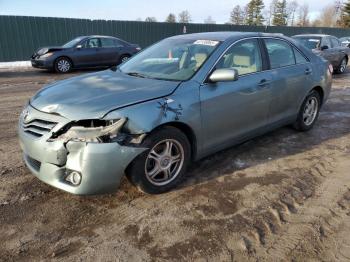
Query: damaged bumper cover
(100,165)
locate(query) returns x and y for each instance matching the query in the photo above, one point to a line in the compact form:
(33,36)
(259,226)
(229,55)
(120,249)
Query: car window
(280,53)
(309,42)
(299,57)
(244,56)
(335,42)
(92,43)
(119,43)
(326,42)
(108,42)
(171,59)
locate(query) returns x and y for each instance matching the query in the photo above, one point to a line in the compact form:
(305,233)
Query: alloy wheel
(164,162)
(63,65)
(124,59)
(343,65)
(310,111)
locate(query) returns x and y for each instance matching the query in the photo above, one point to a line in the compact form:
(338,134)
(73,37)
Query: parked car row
(177,101)
(84,52)
(106,51)
(328,47)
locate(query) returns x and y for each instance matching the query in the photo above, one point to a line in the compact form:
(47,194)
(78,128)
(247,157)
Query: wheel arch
(64,56)
(187,130)
(320,91)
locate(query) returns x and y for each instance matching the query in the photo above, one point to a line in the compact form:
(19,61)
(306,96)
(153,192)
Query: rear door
(292,73)
(232,110)
(331,54)
(110,51)
(338,49)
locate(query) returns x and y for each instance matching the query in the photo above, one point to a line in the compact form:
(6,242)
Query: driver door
(89,53)
(234,110)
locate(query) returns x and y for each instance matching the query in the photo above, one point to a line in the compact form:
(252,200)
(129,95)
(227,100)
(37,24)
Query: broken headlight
(90,130)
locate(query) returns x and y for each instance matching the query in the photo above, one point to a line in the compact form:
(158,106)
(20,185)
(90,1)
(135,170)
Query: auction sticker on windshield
(206,42)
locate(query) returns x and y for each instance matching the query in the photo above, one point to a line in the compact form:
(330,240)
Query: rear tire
(123,59)
(63,65)
(163,166)
(309,111)
(343,64)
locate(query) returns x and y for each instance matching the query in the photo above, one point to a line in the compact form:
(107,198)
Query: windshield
(309,42)
(171,59)
(73,42)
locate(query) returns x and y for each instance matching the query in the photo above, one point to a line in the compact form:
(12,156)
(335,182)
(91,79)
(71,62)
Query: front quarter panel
(183,106)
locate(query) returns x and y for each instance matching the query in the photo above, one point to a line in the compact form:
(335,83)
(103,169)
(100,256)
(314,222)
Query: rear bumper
(101,165)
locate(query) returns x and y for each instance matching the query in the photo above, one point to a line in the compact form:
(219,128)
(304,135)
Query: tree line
(278,13)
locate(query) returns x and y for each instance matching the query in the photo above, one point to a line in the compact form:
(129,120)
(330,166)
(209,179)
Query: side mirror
(324,47)
(224,75)
(79,46)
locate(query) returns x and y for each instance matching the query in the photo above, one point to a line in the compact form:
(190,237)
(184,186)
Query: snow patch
(15,64)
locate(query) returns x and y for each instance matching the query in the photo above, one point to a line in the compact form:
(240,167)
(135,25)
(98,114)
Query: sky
(219,10)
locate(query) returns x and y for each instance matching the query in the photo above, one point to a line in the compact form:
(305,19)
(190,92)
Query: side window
(326,42)
(118,43)
(107,42)
(280,53)
(244,56)
(92,43)
(299,58)
(335,42)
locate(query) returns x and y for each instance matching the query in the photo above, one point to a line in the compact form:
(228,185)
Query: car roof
(311,35)
(103,36)
(223,36)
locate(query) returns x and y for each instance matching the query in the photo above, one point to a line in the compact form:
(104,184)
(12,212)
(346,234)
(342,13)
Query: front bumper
(42,63)
(101,165)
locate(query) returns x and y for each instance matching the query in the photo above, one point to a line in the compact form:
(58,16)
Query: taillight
(330,68)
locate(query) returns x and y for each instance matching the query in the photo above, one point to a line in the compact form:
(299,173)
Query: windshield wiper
(136,74)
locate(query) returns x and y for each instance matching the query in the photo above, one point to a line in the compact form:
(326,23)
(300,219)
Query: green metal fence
(21,35)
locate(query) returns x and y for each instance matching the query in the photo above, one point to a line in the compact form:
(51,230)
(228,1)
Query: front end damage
(83,157)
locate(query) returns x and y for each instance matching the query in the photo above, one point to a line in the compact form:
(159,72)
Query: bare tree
(185,17)
(270,12)
(328,16)
(303,15)
(292,9)
(237,15)
(150,19)
(209,20)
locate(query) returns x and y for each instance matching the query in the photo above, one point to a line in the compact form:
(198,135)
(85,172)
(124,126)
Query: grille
(35,164)
(38,127)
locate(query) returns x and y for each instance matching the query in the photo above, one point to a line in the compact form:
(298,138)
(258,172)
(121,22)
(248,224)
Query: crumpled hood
(93,95)
(44,50)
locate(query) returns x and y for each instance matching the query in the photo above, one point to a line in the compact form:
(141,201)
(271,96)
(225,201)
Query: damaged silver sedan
(179,100)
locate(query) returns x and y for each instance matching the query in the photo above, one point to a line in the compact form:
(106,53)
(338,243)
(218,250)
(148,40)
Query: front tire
(63,65)
(309,111)
(163,166)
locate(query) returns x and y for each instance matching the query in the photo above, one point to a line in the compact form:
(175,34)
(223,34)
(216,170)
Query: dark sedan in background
(84,52)
(329,47)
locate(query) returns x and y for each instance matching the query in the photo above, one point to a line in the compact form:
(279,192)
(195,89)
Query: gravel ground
(284,196)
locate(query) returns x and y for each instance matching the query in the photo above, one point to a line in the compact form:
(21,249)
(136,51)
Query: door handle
(264,83)
(308,71)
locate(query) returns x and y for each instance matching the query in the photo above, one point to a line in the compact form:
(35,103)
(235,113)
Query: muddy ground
(284,196)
